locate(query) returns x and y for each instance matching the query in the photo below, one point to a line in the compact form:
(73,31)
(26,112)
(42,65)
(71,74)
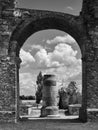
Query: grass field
(49,125)
(64,124)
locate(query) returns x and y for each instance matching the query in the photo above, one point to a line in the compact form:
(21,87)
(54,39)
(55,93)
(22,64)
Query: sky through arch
(49,51)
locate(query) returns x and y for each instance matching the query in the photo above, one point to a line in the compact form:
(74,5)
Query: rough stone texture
(16,25)
(7,89)
(90,19)
(49,96)
(92,114)
(74,109)
(23,110)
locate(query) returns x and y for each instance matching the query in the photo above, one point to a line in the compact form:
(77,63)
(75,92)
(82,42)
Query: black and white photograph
(48,64)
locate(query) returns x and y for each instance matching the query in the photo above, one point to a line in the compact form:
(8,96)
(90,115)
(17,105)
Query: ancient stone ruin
(49,97)
(17,24)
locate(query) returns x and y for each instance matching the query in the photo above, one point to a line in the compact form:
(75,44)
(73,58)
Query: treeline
(23,97)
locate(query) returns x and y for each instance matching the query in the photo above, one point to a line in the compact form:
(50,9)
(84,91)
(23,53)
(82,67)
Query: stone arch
(21,23)
(48,20)
(52,20)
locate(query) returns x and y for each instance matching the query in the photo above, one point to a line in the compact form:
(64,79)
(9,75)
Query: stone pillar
(92,67)
(8,89)
(49,97)
(90,84)
(83,109)
(17,62)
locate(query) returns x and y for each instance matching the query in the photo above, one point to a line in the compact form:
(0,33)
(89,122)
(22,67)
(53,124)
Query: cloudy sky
(67,6)
(50,51)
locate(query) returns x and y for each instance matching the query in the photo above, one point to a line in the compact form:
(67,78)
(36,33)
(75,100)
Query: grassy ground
(49,125)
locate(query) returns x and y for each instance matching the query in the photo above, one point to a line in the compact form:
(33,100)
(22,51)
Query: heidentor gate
(17,24)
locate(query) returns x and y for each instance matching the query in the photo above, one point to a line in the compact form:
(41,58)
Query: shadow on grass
(52,120)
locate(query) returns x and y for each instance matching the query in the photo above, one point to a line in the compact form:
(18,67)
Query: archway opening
(51,52)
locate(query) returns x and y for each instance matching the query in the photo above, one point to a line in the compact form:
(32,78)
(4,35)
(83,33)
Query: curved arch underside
(46,20)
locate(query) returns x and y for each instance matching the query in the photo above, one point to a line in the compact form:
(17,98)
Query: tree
(63,98)
(39,83)
(71,88)
(75,96)
(69,95)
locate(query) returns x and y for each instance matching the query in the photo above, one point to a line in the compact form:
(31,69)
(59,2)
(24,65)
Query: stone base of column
(83,114)
(50,111)
(43,112)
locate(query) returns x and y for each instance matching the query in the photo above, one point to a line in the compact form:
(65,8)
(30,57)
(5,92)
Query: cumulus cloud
(65,72)
(61,39)
(44,59)
(26,57)
(37,47)
(62,55)
(62,62)
(27,84)
(69,8)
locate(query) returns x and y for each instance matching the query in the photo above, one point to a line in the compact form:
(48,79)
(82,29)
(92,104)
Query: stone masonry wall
(13,19)
(7,90)
(90,18)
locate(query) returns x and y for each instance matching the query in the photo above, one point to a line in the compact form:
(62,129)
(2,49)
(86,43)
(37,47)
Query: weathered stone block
(23,110)
(74,109)
(92,114)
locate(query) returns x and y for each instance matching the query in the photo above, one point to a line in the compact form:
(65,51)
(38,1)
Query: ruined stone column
(49,96)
